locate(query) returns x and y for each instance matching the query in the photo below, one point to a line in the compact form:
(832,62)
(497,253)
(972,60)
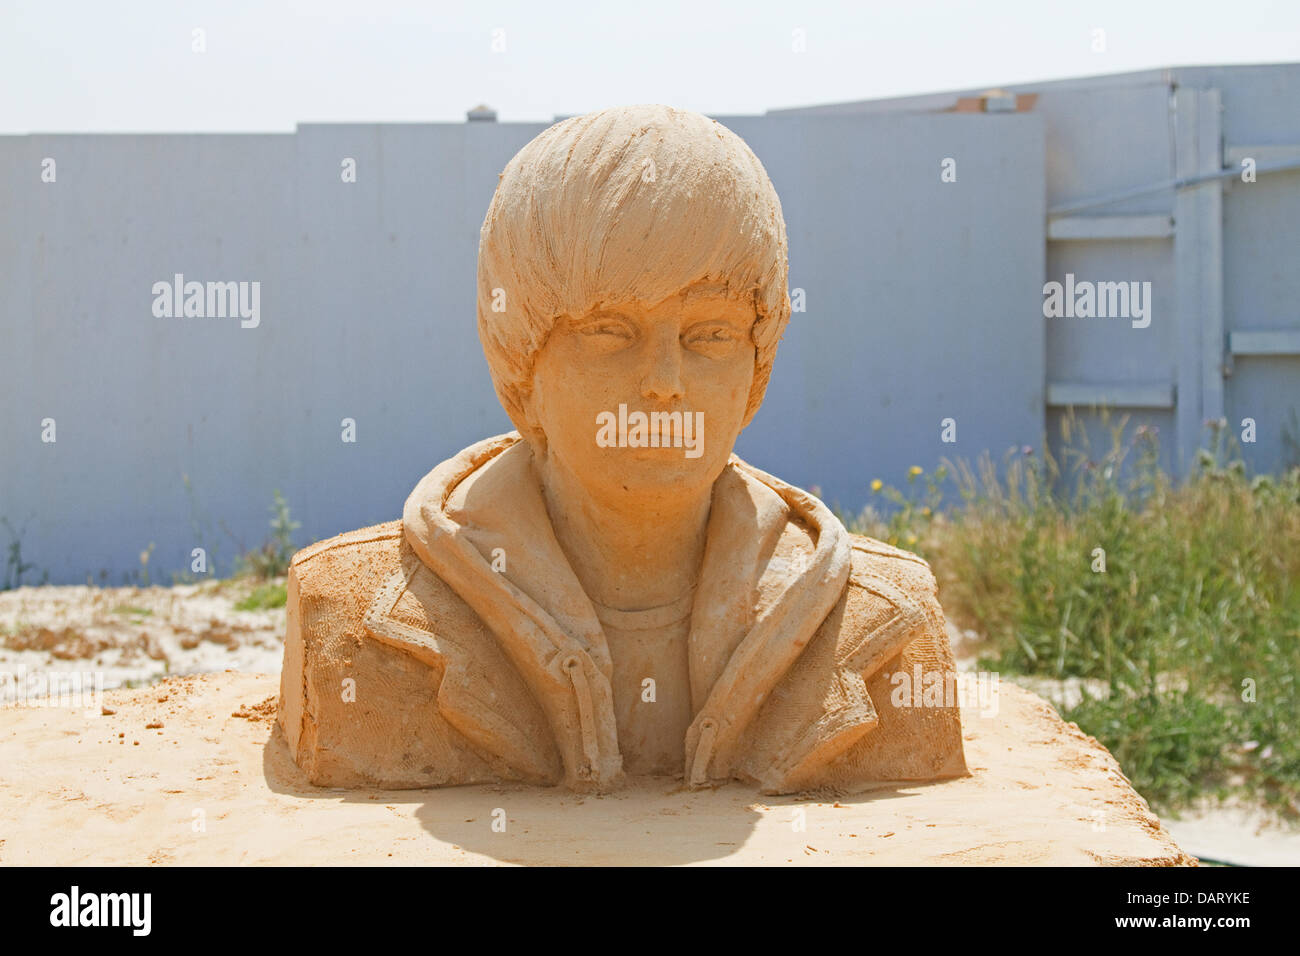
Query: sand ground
(134,637)
(137,635)
(193,770)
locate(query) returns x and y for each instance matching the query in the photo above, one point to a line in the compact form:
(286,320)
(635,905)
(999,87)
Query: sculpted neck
(633,553)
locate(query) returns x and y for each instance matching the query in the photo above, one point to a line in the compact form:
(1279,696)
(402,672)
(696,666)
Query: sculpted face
(614,383)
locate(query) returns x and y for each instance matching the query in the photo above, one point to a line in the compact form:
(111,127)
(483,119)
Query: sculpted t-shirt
(652,718)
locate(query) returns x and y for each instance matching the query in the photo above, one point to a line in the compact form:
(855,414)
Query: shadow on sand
(652,821)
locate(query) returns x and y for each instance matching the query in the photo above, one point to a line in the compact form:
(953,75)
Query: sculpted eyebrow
(740,319)
(604,315)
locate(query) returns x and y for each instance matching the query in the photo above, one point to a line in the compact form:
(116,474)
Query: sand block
(214,784)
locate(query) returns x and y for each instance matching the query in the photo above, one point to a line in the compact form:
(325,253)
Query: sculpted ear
(531,426)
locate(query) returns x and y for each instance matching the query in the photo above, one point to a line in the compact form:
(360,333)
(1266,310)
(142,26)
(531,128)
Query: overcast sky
(94,65)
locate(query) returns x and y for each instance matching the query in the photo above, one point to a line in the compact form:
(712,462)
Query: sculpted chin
(607,590)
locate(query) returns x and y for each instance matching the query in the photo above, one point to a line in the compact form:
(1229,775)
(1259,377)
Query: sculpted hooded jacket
(457,646)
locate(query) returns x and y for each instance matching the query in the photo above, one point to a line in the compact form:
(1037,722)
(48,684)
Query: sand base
(215,785)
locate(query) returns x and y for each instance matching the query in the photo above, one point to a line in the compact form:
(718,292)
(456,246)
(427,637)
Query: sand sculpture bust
(608,590)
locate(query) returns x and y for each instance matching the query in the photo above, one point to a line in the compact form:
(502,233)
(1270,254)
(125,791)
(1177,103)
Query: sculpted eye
(607,327)
(711,336)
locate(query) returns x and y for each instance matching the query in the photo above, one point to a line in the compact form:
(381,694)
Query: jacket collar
(479,521)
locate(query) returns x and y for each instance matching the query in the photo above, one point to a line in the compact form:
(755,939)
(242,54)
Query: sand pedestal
(214,784)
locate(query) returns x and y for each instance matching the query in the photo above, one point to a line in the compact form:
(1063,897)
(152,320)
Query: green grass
(272,559)
(1194,624)
(264,597)
(132,610)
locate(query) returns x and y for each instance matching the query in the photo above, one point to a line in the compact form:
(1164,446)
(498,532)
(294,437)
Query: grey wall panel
(139,400)
(1112,350)
(1088,130)
(1266,389)
(1261,252)
(921,294)
(1260,103)
(1261,260)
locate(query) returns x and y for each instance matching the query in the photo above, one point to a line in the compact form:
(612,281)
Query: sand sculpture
(609,590)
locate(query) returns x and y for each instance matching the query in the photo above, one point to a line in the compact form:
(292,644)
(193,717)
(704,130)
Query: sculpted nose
(663,377)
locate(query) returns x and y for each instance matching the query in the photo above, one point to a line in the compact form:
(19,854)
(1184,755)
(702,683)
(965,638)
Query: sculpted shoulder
(900,577)
(378,649)
(364,541)
(332,582)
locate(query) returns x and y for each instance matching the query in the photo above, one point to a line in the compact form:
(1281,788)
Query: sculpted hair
(628,204)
